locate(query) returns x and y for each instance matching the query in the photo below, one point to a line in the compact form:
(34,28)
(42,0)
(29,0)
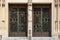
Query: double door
(41,20)
(18,20)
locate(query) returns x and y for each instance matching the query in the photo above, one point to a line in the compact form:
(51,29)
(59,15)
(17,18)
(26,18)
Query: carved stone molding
(29,19)
(56,2)
(2,3)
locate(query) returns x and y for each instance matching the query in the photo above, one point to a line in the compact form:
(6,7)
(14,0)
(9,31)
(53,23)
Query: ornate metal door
(17,20)
(42,20)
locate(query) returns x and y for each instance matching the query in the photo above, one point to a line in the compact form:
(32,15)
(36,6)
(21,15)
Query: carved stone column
(57,22)
(29,19)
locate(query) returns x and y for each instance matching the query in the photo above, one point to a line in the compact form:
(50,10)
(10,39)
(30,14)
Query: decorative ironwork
(18,18)
(22,19)
(42,21)
(13,19)
(37,19)
(46,21)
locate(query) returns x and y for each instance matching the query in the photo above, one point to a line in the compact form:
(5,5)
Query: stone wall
(4,15)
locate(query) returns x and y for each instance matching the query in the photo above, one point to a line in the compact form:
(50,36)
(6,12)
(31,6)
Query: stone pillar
(58,18)
(57,28)
(29,19)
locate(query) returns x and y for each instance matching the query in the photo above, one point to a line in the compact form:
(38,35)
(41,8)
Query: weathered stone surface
(33,38)
(14,38)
